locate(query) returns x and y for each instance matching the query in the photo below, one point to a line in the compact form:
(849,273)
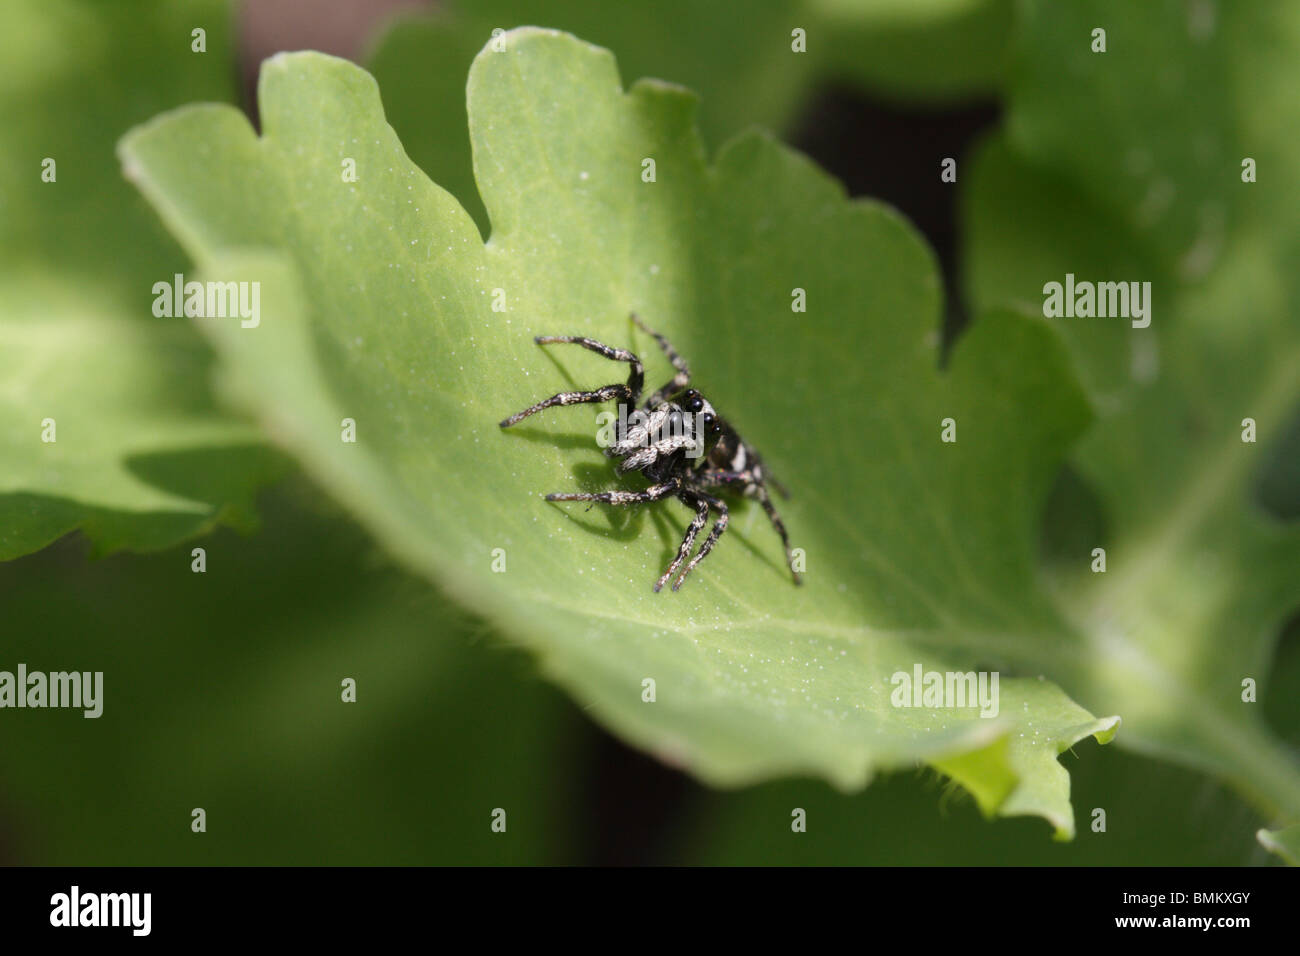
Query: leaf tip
(1285,843)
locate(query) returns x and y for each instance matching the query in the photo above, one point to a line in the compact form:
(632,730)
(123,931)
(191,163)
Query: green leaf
(1165,171)
(742,66)
(132,462)
(1285,843)
(377,300)
(1126,166)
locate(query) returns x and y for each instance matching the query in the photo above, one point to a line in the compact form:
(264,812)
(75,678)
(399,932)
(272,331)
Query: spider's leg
(715,478)
(780,488)
(653,493)
(719,526)
(678,381)
(749,480)
(766,501)
(628,393)
(762,475)
(701,516)
(602,394)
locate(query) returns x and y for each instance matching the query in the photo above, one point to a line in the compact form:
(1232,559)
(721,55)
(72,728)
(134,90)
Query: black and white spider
(681,445)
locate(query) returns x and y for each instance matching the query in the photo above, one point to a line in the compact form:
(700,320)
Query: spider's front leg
(653,493)
(628,393)
(678,381)
(701,516)
(718,505)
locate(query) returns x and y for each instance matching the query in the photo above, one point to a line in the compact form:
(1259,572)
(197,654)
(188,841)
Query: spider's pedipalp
(641,425)
(645,456)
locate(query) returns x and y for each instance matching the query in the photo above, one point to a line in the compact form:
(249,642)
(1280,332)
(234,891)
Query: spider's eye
(693,401)
(710,422)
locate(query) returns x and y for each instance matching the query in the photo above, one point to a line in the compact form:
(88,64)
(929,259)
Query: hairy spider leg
(628,393)
(697,523)
(680,380)
(766,501)
(780,488)
(653,493)
(750,480)
(719,526)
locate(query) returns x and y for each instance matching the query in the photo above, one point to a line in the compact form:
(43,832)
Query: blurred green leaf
(1126,166)
(377,306)
(740,60)
(222,690)
(1285,843)
(916,52)
(737,56)
(1120,124)
(1155,815)
(127,392)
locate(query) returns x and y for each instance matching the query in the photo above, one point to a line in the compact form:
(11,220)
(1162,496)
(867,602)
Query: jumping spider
(660,443)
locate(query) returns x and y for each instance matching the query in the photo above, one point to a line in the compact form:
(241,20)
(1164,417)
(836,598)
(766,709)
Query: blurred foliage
(1105,171)
(1285,843)
(737,55)
(135,463)
(223,691)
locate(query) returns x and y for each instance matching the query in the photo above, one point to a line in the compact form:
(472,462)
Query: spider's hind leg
(628,393)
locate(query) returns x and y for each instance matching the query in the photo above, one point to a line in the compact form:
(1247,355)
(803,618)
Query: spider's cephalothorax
(681,445)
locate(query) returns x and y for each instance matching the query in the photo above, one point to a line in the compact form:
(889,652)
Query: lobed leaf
(377,301)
